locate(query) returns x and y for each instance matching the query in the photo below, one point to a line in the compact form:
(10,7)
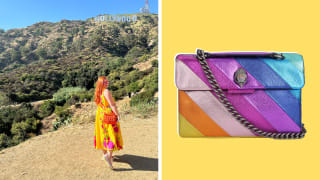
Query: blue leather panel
(276,74)
(295,59)
(296,93)
(263,73)
(287,71)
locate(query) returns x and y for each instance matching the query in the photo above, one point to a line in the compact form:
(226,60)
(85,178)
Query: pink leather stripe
(195,67)
(215,110)
(186,78)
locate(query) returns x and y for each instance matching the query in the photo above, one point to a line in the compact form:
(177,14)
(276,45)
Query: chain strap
(202,56)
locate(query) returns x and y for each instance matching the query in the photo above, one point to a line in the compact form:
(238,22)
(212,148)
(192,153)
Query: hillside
(48,68)
(38,60)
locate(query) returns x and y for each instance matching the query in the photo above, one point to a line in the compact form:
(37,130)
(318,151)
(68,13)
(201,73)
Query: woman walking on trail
(107,136)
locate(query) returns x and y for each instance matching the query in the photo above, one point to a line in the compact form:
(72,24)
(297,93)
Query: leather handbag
(242,94)
(108,118)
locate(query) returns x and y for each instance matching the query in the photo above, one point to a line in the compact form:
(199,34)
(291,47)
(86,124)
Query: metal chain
(201,56)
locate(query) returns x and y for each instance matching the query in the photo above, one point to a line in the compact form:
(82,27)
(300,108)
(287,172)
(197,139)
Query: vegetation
(36,61)
(46,109)
(64,116)
(65,94)
(18,124)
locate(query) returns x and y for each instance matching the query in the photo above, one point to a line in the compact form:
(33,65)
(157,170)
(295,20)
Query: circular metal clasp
(240,77)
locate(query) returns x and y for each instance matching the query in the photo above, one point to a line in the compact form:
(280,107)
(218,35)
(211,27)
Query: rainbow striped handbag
(242,94)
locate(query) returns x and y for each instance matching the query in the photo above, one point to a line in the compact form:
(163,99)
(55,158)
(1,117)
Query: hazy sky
(22,13)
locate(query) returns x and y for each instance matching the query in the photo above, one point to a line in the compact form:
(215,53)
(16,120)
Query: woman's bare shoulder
(107,92)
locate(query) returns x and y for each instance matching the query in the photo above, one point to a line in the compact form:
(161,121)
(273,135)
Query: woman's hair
(100,86)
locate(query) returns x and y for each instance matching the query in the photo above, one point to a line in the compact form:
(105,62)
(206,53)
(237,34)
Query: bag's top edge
(262,73)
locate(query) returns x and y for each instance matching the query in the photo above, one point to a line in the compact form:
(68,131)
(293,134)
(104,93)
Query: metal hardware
(277,56)
(240,77)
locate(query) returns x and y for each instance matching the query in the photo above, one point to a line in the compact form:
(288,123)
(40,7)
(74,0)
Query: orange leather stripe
(199,119)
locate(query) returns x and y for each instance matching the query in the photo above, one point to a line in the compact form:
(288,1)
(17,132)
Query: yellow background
(230,25)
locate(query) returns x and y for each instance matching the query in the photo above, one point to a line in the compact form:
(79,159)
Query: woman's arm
(111,102)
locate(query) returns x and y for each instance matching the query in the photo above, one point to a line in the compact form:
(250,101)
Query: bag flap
(261,72)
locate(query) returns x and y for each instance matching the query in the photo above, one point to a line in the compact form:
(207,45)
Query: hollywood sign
(115,18)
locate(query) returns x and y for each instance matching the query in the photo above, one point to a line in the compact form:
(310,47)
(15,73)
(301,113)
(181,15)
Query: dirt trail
(69,153)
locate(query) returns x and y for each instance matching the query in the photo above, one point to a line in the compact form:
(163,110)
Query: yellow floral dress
(106,136)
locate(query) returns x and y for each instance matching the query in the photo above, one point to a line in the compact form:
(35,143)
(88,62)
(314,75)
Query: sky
(23,13)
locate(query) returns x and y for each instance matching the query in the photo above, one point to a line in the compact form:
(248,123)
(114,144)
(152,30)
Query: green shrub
(34,124)
(143,97)
(63,94)
(4,99)
(63,116)
(11,115)
(143,58)
(151,82)
(154,63)
(145,109)
(73,100)
(46,109)
(87,95)
(133,87)
(118,94)
(135,52)
(62,111)
(5,141)
(20,131)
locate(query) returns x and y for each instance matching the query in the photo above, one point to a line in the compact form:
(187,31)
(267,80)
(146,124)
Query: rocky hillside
(38,60)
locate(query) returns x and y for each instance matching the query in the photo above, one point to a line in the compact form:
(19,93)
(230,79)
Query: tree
(4,141)
(20,131)
(4,99)
(133,88)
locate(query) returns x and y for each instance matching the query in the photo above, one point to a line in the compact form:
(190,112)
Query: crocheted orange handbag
(108,118)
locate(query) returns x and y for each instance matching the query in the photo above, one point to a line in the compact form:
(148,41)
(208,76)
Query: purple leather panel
(228,66)
(232,65)
(241,91)
(248,111)
(272,112)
